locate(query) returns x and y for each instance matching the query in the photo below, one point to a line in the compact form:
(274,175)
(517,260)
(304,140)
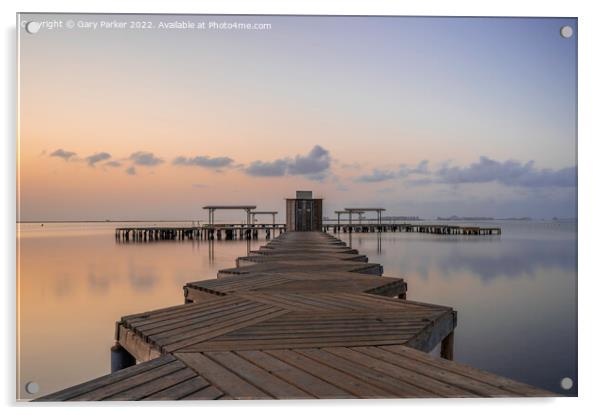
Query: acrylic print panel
(282,207)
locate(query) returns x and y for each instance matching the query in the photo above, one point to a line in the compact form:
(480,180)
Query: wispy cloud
(95,158)
(112,163)
(509,173)
(421,168)
(313,166)
(267,168)
(65,155)
(376,176)
(131,170)
(145,158)
(203,161)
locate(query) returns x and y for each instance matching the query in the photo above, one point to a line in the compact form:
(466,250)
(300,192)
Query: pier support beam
(447,347)
(121,358)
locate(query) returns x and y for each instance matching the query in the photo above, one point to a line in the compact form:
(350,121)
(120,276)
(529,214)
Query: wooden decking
(297,373)
(298,320)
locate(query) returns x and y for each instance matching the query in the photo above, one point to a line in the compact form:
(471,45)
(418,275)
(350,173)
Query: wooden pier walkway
(241,231)
(204,232)
(437,229)
(303,317)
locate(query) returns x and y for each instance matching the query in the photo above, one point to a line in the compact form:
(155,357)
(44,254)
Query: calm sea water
(515,294)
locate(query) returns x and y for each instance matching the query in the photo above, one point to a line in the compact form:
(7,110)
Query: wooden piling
(447,347)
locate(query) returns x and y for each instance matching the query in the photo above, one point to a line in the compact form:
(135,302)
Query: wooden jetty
(242,231)
(205,232)
(297,321)
(437,229)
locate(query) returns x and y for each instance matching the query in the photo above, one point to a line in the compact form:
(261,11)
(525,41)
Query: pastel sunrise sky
(422,116)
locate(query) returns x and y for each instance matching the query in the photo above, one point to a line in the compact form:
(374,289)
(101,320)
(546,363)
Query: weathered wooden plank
(199,296)
(434,332)
(298,344)
(221,377)
(182,390)
(371,316)
(209,393)
(195,317)
(154,386)
(415,376)
(279,300)
(180,332)
(297,377)
(253,374)
(174,310)
(187,310)
(456,384)
(136,345)
(392,386)
(368,328)
(477,374)
(187,324)
(130,382)
(342,380)
(189,341)
(102,381)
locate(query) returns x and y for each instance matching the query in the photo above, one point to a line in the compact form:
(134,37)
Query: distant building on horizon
(304,213)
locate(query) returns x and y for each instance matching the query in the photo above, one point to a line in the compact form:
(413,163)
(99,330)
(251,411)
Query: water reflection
(63,286)
(515,295)
(211,249)
(487,259)
(98,284)
(75,282)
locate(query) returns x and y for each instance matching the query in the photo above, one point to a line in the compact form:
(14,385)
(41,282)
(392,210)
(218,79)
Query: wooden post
(120,358)
(447,347)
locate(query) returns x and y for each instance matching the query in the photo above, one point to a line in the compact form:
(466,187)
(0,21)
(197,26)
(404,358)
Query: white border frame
(590,209)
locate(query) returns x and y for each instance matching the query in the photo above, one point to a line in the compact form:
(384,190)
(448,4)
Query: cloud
(379,175)
(318,177)
(95,158)
(317,161)
(509,173)
(351,166)
(144,158)
(203,161)
(131,170)
(65,155)
(267,168)
(113,163)
(313,166)
(376,176)
(421,168)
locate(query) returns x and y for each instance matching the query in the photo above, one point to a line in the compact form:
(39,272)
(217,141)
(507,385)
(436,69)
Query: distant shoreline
(106,221)
(198,220)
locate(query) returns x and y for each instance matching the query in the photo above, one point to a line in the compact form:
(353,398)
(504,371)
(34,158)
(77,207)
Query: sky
(422,116)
